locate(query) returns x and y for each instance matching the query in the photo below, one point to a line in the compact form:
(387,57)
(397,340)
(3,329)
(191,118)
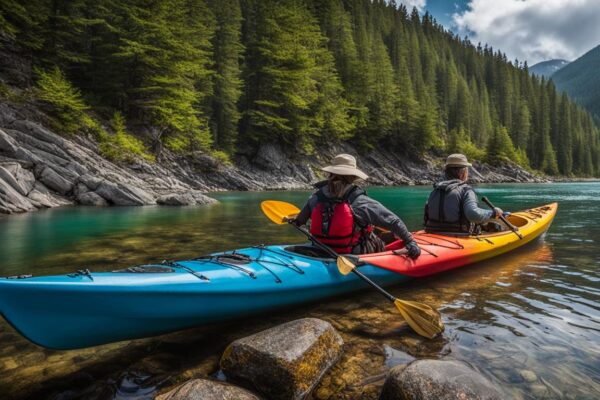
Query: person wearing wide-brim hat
(343,216)
(452,205)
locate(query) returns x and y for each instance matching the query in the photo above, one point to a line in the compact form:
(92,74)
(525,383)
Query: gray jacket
(366,212)
(452,202)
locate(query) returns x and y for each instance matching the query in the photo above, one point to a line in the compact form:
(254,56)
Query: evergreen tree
(227,78)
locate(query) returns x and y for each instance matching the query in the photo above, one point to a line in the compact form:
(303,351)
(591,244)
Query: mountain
(547,68)
(581,80)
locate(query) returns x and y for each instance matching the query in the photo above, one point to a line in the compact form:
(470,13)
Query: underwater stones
(286,361)
(438,379)
(528,375)
(205,389)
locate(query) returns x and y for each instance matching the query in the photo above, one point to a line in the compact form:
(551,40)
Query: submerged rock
(438,379)
(284,362)
(205,389)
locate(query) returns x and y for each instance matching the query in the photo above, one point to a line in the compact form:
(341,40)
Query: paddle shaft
(503,218)
(333,254)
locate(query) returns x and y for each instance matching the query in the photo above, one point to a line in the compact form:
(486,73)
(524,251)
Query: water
(529,321)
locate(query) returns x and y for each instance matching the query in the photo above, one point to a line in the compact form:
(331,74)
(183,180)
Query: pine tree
(227,78)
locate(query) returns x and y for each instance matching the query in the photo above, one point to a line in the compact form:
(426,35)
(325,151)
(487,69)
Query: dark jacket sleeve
(306,211)
(368,211)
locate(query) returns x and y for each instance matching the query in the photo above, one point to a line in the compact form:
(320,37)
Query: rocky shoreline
(268,365)
(40,169)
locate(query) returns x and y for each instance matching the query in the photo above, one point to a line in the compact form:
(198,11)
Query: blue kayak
(92,308)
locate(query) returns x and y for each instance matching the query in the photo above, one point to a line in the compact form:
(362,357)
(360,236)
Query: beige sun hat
(457,160)
(344,164)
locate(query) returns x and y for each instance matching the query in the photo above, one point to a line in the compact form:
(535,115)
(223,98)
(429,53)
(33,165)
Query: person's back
(452,205)
(343,216)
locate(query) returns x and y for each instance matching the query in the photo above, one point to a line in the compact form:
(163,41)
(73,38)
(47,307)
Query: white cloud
(420,4)
(533,30)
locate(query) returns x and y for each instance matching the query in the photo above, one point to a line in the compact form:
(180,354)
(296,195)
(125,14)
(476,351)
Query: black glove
(413,250)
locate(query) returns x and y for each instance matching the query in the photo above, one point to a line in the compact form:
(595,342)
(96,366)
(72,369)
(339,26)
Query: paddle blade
(279,211)
(422,319)
(344,265)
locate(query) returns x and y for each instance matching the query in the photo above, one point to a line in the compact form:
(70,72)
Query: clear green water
(529,321)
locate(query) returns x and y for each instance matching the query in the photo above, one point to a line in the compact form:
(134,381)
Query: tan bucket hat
(457,160)
(344,164)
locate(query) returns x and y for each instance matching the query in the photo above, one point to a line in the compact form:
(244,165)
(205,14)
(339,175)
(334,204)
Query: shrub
(221,156)
(121,146)
(64,101)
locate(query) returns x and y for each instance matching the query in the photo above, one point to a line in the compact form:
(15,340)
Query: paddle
(503,218)
(420,317)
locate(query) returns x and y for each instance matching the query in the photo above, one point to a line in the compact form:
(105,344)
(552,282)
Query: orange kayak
(444,252)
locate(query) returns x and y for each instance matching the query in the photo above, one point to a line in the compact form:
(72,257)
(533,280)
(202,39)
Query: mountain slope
(547,68)
(581,80)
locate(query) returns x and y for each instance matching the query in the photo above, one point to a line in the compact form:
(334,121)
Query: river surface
(529,320)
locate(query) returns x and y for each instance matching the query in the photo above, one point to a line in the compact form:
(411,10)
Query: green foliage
(121,146)
(227,75)
(63,100)
(460,142)
(221,156)
(299,97)
(500,147)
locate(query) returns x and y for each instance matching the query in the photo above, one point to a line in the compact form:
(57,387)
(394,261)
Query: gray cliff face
(40,169)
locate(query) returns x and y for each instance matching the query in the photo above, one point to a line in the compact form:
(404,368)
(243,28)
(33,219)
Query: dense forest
(221,76)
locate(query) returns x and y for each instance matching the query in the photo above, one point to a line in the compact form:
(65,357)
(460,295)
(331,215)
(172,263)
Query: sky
(530,30)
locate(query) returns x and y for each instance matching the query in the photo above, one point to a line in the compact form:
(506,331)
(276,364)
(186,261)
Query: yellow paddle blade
(279,211)
(344,265)
(422,319)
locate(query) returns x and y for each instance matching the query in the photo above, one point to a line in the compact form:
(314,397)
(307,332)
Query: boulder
(91,199)
(41,197)
(123,196)
(11,201)
(8,147)
(9,179)
(205,389)
(185,199)
(284,362)
(438,379)
(53,180)
(174,199)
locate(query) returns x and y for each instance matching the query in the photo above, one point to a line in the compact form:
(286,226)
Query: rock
(438,379)
(205,389)
(184,199)
(41,197)
(91,199)
(8,147)
(124,196)
(12,181)
(90,181)
(12,201)
(181,199)
(284,362)
(52,180)
(528,375)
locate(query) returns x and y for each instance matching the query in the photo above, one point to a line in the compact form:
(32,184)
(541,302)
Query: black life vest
(334,224)
(444,210)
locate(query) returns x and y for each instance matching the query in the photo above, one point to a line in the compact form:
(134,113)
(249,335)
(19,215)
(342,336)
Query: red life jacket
(332,221)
